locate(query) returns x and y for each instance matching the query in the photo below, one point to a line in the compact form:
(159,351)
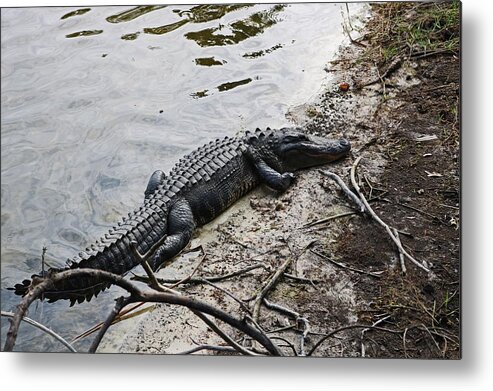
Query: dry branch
(226,349)
(299,320)
(401,255)
(372,274)
(302,279)
(228,293)
(123,315)
(137,294)
(267,287)
(365,330)
(186,279)
(354,326)
(349,194)
(223,335)
(120,303)
(378,219)
(327,219)
(43,328)
(200,280)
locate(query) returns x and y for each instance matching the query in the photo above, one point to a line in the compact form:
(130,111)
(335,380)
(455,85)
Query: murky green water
(95,99)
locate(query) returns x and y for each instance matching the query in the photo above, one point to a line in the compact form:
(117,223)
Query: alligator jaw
(316,151)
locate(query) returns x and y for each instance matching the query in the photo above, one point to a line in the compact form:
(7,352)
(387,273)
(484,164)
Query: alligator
(199,188)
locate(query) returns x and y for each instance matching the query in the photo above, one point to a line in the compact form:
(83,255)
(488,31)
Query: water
(95,99)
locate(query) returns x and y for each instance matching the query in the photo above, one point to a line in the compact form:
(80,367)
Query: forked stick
(379,220)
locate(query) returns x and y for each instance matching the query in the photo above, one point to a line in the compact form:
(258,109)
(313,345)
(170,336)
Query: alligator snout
(344,142)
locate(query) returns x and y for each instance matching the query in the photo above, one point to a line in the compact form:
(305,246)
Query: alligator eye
(295,138)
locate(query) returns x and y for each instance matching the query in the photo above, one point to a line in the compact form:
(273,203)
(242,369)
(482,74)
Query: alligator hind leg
(180,228)
(156,179)
(268,175)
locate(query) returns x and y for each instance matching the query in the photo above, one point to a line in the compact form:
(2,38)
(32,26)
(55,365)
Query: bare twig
(226,292)
(365,330)
(327,219)
(354,326)
(278,330)
(208,347)
(289,344)
(423,54)
(200,280)
(184,280)
(43,328)
(349,194)
(419,211)
(299,320)
(401,255)
(43,260)
(372,274)
(267,287)
(142,258)
(346,30)
(223,335)
(378,219)
(281,309)
(393,66)
(123,315)
(404,341)
(348,16)
(302,279)
(120,303)
(304,334)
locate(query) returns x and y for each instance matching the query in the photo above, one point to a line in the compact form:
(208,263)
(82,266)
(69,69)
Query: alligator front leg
(156,179)
(180,228)
(268,175)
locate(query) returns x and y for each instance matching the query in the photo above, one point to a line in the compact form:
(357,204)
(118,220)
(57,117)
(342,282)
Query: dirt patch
(401,115)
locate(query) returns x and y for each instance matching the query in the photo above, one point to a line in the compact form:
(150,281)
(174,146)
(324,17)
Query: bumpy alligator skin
(199,188)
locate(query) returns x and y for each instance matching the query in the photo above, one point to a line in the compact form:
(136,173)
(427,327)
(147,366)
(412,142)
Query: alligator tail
(79,289)
(112,253)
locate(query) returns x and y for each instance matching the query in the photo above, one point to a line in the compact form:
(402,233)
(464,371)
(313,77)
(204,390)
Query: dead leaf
(433,174)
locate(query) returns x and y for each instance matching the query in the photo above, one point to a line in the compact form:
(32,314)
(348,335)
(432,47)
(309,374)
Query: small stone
(344,87)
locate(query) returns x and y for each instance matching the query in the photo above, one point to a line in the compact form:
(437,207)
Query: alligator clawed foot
(287,179)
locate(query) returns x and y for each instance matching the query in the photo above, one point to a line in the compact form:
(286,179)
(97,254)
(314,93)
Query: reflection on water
(81,11)
(86,120)
(208,12)
(234,84)
(84,33)
(208,61)
(198,14)
(260,53)
(166,28)
(133,13)
(199,94)
(130,36)
(240,30)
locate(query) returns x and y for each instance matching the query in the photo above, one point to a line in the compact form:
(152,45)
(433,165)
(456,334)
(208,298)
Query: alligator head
(290,149)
